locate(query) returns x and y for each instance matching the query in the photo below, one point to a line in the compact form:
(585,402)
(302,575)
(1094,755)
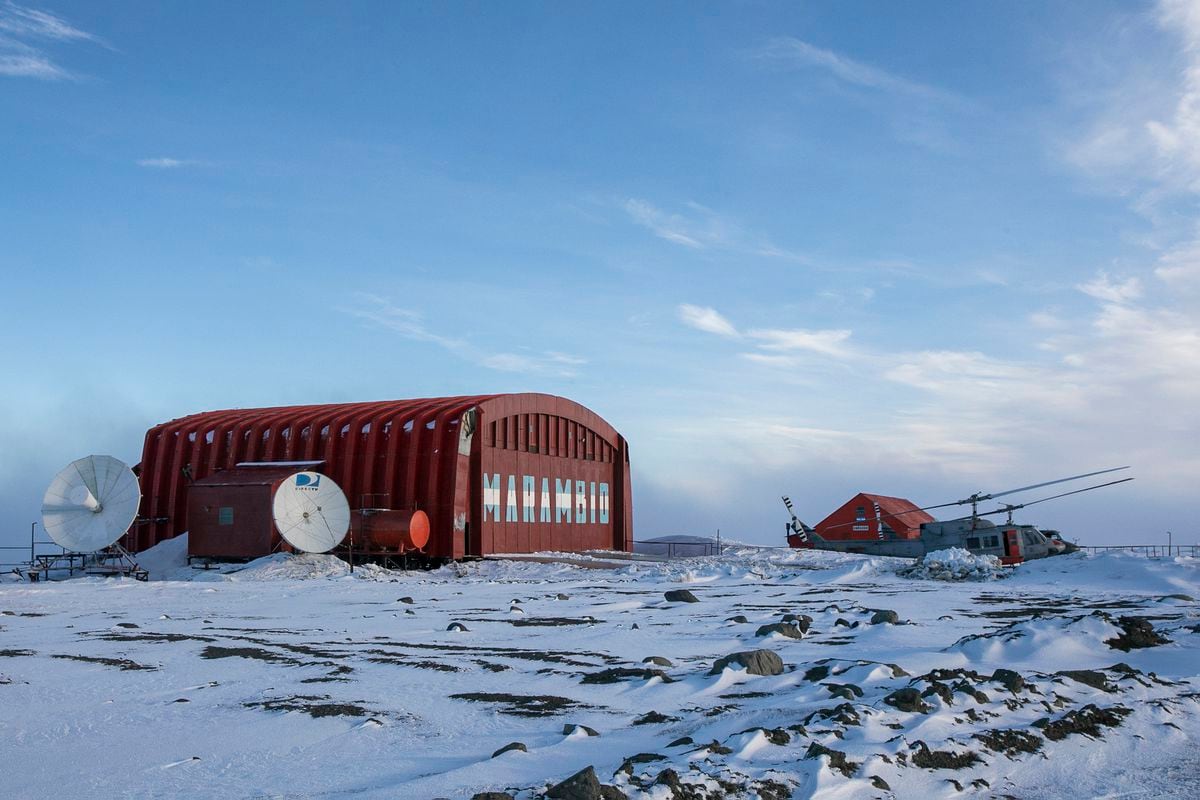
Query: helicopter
(1010,542)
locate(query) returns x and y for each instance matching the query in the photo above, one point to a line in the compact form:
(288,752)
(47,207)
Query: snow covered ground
(291,678)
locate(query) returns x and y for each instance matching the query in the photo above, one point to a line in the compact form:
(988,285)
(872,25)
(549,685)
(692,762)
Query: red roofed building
(856,519)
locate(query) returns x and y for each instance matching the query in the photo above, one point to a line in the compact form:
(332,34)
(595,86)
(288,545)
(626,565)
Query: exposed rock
(837,759)
(846,691)
(654,718)
(406,600)
(885,616)
(627,766)
(843,713)
(1010,742)
(682,741)
(680,596)
(583,785)
(880,783)
(815,674)
(1089,677)
(458,627)
(492,796)
(788,629)
(679,790)
(740,618)
(561,596)
(618,674)
(755,662)
(611,793)
(908,699)
(1138,632)
(658,661)
(511,746)
(1010,679)
(942,759)
(842,623)
(568,729)
(803,621)
(1087,720)
(941,690)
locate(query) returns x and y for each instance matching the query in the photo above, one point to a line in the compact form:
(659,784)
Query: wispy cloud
(700,228)
(703,318)
(772,345)
(166,163)
(379,312)
(1104,288)
(801,54)
(24,35)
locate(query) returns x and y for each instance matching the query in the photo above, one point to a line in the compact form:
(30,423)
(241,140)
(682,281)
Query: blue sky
(785,248)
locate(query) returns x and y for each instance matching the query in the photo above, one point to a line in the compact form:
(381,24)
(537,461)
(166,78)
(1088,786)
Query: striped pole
(878,521)
(796,526)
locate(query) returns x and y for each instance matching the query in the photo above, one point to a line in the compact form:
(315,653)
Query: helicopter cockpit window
(973,543)
(1030,538)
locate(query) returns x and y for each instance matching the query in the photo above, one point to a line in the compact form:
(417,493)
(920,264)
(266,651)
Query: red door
(1012,548)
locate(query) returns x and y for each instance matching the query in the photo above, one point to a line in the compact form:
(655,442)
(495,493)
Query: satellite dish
(90,504)
(311,512)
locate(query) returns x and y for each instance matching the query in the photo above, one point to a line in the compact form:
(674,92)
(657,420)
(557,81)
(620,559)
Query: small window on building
(225,515)
(860,513)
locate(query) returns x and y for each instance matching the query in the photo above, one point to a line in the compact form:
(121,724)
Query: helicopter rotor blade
(1008,508)
(1048,483)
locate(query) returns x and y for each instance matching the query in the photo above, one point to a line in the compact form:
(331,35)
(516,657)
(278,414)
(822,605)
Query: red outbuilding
(856,519)
(505,473)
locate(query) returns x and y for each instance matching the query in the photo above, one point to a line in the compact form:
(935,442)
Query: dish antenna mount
(90,504)
(311,512)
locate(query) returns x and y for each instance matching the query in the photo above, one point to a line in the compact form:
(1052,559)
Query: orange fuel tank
(386,529)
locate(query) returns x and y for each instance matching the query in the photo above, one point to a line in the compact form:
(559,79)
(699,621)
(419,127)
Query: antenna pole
(32,541)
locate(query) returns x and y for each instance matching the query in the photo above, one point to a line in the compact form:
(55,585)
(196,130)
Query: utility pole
(1168,544)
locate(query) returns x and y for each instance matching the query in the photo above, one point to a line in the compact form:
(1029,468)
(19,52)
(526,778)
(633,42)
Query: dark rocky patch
(815,674)
(583,785)
(1087,720)
(1010,742)
(405,600)
(908,699)
(658,661)
(492,796)
(679,790)
(552,622)
(740,618)
(837,759)
(680,596)
(618,674)
(943,759)
(654,718)
(568,729)
(16,653)
(519,705)
(843,713)
(880,783)
(1010,679)
(755,662)
(119,663)
(941,690)
(256,653)
(314,706)
(846,691)
(458,626)
(628,765)
(681,742)
(885,616)
(509,747)
(1137,632)
(843,623)
(1089,677)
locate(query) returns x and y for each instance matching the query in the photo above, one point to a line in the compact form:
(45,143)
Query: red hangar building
(502,473)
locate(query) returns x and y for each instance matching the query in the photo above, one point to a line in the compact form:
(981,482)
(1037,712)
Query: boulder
(680,596)
(755,662)
(788,629)
(569,729)
(657,661)
(907,700)
(1010,679)
(885,616)
(583,785)
(1136,632)
(511,746)
(457,627)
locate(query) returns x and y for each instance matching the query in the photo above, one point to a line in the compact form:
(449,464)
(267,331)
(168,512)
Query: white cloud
(1104,288)
(706,319)
(701,228)
(24,34)
(165,163)
(796,52)
(825,342)
(380,312)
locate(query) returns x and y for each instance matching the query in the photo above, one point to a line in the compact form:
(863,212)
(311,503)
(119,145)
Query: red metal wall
(899,514)
(430,455)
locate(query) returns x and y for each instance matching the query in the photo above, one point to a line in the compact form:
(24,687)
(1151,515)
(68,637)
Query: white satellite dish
(311,512)
(91,504)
